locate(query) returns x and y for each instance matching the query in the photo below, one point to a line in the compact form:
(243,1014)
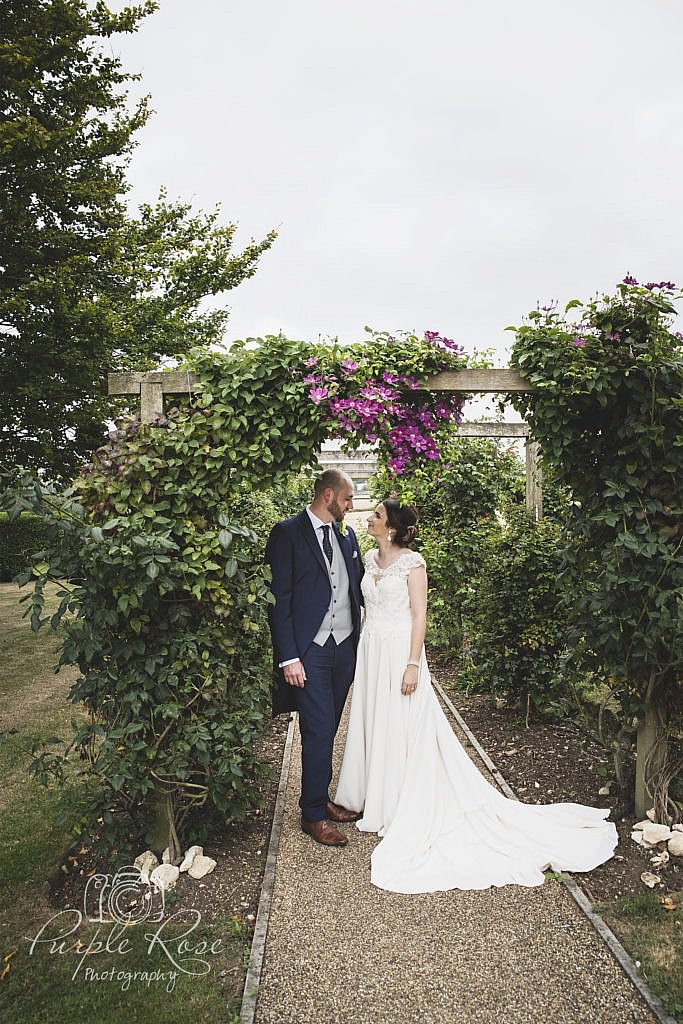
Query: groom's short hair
(333,478)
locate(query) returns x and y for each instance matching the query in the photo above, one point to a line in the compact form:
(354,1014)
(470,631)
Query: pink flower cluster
(651,285)
(383,409)
(380,412)
(447,344)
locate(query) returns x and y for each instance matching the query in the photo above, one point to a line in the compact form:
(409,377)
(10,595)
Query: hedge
(18,541)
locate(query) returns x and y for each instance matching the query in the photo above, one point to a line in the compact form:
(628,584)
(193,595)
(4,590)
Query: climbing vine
(157,551)
(607,413)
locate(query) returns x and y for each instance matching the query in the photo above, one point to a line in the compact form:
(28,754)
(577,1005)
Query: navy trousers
(320,702)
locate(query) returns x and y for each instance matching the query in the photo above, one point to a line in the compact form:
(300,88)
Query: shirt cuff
(291,661)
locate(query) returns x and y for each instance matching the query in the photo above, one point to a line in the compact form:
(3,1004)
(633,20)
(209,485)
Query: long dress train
(443,825)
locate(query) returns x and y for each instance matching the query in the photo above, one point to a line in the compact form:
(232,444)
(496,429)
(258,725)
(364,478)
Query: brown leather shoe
(323,832)
(335,812)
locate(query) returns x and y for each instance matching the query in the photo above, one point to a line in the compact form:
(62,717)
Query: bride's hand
(409,684)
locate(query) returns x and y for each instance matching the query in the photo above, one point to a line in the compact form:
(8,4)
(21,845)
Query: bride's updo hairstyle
(402,519)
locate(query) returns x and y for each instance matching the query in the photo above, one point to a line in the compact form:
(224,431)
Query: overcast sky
(428,165)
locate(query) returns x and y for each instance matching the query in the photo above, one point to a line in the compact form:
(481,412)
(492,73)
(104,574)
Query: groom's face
(342,502)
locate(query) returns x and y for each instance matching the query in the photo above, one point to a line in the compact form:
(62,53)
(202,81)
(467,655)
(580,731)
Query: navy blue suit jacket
(302,591)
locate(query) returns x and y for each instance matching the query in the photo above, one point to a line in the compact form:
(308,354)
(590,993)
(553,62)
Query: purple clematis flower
(629,280)
(317,395)
(579,342)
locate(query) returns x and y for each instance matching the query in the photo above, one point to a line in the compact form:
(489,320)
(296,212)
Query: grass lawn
(83,969)
(654,938)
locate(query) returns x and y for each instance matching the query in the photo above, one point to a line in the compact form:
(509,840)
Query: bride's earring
(390,537)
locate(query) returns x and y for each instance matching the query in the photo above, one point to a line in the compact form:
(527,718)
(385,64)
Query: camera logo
(126,897)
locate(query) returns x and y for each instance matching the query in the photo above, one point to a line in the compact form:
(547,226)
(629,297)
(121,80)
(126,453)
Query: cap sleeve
(369,559)
(411,561)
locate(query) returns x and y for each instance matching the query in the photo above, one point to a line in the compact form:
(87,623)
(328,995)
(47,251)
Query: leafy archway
(158,551)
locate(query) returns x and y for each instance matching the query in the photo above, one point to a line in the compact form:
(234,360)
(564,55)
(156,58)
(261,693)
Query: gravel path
(339,950)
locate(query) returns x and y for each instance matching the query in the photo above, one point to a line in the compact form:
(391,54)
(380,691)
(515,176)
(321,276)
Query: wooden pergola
(152,386)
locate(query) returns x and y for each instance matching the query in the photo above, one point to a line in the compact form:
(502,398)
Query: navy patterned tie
(327,543)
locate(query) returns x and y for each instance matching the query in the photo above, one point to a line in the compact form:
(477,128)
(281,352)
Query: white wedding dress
(443,825)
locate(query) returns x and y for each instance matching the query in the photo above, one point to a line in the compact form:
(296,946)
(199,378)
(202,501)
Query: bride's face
(377,523)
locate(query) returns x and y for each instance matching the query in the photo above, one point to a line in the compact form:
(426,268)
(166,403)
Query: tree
(84,288)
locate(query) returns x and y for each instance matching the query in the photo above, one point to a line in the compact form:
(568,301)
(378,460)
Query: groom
(315,625)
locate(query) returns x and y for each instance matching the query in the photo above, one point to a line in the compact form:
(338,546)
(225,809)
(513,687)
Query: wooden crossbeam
(176,382)
(493,429)
(180,382)
(151,386)
(488,381)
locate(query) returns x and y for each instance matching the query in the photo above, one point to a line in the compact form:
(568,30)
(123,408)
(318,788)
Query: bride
(443,825)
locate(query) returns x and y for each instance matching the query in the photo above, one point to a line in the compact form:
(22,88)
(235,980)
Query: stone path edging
(570,883)
(258,944)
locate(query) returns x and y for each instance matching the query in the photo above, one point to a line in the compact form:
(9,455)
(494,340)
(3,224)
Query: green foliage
(457,500)
(296,492)
(18,542)
(85,289)
(607,413)
(167,627)
(516,623)
(158,550)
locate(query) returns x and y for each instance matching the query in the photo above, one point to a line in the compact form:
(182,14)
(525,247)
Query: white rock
(641,824)
(653,834)
(164,877)
(145,863)
(194,851)
(675,844)
(603,791)
(660,859)
(650,814)
(201,866)
(637,837)
(677,828)
(650,879)
(166,856)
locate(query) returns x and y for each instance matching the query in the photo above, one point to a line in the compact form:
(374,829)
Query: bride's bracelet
(415,663)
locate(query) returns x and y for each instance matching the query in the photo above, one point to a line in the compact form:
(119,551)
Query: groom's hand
(295,674)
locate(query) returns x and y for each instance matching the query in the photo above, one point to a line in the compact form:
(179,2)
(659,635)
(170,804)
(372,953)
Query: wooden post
(151,401)
(534,494)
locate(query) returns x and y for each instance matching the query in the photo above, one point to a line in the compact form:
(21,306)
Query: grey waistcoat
(338,620)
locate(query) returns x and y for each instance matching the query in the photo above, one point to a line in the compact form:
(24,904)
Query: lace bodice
(387,602)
